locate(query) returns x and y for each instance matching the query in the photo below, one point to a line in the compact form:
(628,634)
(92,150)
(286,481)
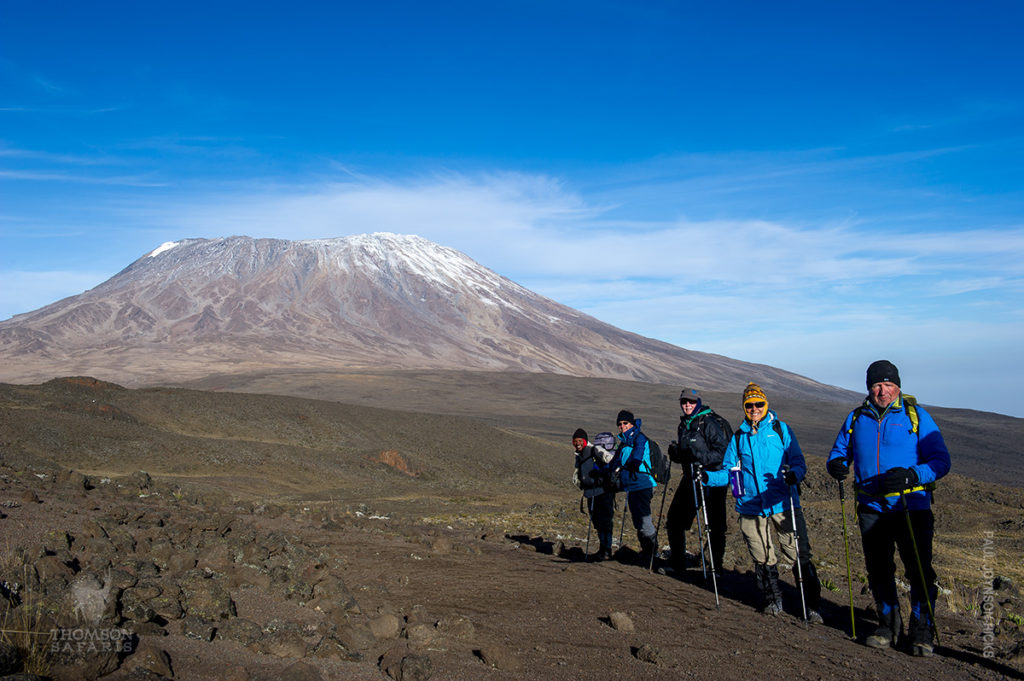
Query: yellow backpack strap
(911,406)
(856,415)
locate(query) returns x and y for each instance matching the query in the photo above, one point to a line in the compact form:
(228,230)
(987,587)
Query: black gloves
(790,478)
(680,454)
(899,480)
(702,474)
(673,452)
(838,468)
(632,465)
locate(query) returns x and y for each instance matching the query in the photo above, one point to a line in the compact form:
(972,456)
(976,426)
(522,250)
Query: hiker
(595,476)
(637,481)
(703,437)
(764,464)
(896,452)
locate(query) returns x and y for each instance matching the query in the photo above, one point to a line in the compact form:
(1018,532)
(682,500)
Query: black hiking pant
(881,534)
(602,512)
(639,502)
(684,509)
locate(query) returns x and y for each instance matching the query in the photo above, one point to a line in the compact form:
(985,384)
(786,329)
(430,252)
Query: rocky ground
(190,574)
(189,587)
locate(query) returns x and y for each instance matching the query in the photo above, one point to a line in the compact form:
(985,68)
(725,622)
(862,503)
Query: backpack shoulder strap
(910,403)
(858,410)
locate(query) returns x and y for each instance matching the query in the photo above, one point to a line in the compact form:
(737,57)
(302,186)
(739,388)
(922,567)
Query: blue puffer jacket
(761,457)
(880,443)
(633,445)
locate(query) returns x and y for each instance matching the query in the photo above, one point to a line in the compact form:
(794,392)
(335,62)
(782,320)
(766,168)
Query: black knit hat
(580,433)
(625,416)
(883,371)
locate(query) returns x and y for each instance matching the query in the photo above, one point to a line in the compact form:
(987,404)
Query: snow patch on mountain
(166,246)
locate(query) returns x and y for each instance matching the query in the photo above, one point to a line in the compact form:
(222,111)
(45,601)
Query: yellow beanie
(753,393)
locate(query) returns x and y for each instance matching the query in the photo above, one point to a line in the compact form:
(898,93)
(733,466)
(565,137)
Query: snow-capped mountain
(197,307)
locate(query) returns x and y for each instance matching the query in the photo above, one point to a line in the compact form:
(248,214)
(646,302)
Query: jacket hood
(766,421)
(629,437)
(699,411)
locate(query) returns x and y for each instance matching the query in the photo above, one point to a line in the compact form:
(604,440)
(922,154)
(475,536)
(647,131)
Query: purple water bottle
(736,480)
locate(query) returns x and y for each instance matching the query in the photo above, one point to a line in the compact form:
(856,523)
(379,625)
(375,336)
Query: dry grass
(23,624)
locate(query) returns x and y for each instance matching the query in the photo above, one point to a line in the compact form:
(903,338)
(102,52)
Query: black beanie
(883,371)
(625,416)
(580,433)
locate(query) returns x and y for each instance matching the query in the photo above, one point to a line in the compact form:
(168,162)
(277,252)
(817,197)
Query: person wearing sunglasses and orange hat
(767,465)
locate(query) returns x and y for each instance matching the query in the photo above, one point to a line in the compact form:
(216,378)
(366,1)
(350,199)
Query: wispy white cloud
(59,159)
(42,176)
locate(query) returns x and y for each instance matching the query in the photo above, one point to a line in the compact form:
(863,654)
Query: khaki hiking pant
(757,534)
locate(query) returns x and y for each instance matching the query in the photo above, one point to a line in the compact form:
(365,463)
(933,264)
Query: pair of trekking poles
(917,559)
(704,533)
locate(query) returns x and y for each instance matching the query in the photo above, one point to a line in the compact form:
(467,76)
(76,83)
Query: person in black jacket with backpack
(596,476)
(703,437)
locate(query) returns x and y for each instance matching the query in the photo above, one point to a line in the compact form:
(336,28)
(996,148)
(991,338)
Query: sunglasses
(622,423)
(754,405)
(687,401)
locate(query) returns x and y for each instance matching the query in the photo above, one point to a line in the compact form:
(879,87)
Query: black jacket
(703,438)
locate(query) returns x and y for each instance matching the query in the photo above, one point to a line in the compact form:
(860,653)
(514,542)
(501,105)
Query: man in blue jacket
(637,481)
(896,452)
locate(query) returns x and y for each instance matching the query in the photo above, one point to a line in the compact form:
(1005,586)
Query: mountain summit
(197,307)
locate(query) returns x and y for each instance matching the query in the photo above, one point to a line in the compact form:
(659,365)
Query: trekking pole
(796,542)
(622,527)
(711,557)
(657,529)
(700,531)
(846,545)
(590,522)
(920,567)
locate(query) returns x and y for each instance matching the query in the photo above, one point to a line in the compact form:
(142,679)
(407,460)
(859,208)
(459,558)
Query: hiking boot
(648,550)
(888,631)
(920,634)
(814,617)
(767,578)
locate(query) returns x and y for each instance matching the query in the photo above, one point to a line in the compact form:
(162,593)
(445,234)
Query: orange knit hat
(754,393)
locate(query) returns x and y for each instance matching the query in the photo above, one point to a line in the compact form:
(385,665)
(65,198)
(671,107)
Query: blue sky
(808,185)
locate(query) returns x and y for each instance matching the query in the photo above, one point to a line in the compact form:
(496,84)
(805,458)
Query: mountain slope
(235,305)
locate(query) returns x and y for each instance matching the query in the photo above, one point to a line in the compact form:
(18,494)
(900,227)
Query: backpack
(661,465)
(604,447)
(723,424)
